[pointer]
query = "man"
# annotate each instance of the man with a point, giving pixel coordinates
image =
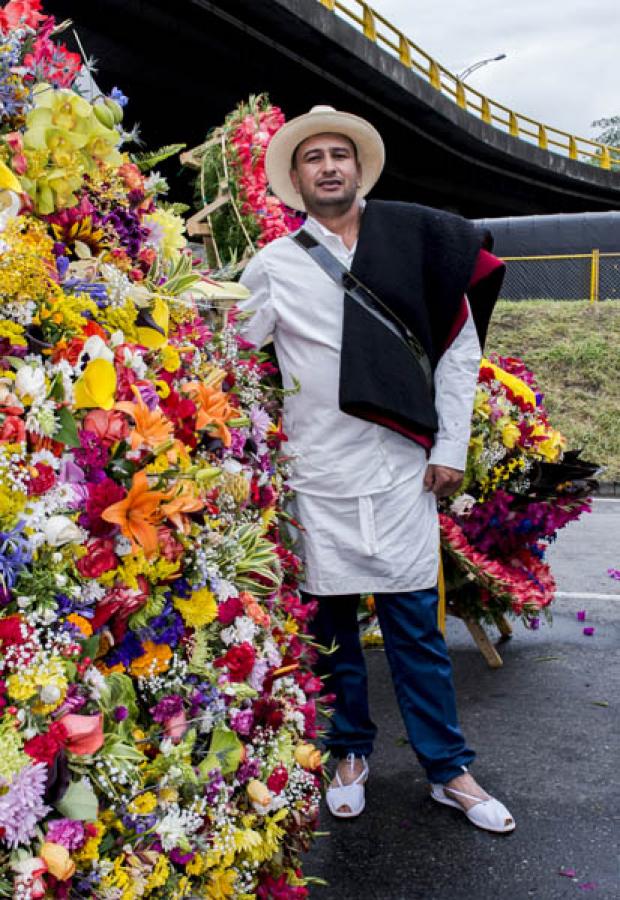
(366, 489)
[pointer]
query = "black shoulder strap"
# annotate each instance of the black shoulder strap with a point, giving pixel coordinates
(364, 297)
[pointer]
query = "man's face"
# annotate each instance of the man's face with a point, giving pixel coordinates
(326, 173)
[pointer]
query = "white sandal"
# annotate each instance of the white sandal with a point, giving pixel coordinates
(352, 795)
(488, 814)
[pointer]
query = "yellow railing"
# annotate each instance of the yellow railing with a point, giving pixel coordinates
(380, 31)
(595, 261)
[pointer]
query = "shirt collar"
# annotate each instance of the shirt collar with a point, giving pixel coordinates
(315, 227)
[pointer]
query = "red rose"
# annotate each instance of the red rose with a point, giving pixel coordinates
(42, 480)
(100, 558)
(45, 747)
(228, 611)
(278, 779)
(239, 661)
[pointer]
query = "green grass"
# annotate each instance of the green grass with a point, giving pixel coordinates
(573, 348)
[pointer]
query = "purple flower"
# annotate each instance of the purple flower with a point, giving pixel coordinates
(581, 615)
(167, 707)
(22, 806)
(589, 631)
(68, 832)
(242, 721)
(260, 423)
(120, 713)
(181, 859)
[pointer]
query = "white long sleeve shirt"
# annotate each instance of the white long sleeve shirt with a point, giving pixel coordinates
(335, 454)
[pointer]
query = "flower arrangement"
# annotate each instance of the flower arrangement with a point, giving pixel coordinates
(156, 700)
(520, 488)
(234, 154)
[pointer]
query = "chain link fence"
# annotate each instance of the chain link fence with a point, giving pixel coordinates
(581, 276)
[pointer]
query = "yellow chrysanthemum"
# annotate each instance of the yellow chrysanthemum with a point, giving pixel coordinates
(198, 610)
(13, 332)
(171, 232)
(159, 876)
(170, 358)
(143, 804)
(221, 884)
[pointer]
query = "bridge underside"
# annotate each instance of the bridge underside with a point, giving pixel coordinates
(185, 64)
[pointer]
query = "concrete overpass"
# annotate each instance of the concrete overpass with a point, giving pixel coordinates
(186, 63)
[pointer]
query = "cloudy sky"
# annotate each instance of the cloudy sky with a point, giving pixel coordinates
(562, 57)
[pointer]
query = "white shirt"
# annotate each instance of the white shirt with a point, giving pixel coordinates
(335, 454)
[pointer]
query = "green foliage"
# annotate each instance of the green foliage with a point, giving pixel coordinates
(147, 161)
(611, 130)
(573, 347)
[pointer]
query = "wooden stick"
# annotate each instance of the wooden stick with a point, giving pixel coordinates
(481, 639)
(504, 627)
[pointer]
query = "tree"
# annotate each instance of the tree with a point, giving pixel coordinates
(611, 133)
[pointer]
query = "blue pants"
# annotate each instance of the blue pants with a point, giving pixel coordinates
(421, 674)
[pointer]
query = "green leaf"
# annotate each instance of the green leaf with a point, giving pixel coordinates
(79, 802)
(146, 161)
(224, 752)
(67, 433)
(57, 391)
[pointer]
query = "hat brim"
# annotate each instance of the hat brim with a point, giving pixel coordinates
(279, 156)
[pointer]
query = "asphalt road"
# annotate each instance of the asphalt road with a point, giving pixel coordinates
(546, 730)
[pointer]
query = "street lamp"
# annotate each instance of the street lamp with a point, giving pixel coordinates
(478, 65)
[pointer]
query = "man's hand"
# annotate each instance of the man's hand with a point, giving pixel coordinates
(442, 480)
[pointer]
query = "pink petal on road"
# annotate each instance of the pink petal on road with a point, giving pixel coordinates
(568, 873)
(581, 615)
(589, 631)
(588, 886)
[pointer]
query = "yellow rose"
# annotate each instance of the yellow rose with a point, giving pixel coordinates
(57, 859)
(307, 756)
(259, 794)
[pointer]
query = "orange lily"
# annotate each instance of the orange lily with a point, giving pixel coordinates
(185, 501)
(151, 426)
(213, 409)
(138, 514)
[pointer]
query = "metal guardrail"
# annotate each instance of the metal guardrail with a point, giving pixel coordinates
(380, 31)
(578, 276)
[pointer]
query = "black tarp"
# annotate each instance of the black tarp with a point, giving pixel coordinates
(551, 235)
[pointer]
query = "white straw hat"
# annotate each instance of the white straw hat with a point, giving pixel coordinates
(322, 120)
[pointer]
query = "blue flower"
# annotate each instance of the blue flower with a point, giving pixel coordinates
(15, 555)
(117, 95)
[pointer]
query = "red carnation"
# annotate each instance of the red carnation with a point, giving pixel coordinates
(13, 632)
(239, 661)
(100, 496)
(100, 558)
(228, 611)
(45, 747)
(278, 779)
(42, 479)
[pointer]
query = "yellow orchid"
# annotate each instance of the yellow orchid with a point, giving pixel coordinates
(97, 386)
(63, 141)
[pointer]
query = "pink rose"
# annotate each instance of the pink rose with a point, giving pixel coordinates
(109, 426)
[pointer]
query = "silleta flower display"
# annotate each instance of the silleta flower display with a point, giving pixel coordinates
(156, 696)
